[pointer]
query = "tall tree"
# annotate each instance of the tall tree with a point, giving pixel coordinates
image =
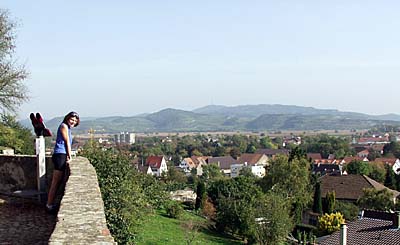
(317, 206)
(330, 202)
(201, 195)
(12, 91)
(290, 179)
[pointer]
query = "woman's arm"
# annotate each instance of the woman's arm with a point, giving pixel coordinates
(65, 136)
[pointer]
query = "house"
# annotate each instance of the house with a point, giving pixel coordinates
(347, 160)
(350, 187)
(314, 156)
(325, 161)
(194, 162)
(187, 164)
(271, 153)
(256, 162)
(224, 163)
(291, 140)
(253, 159)
(378, 148)
(156, 165)
(373, 140)
(372, 228)
(257, 170)
(327, 168)
(364, 153)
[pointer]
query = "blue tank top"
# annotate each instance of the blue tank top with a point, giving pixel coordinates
(60, 144)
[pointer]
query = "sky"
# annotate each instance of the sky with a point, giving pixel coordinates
(123, 58)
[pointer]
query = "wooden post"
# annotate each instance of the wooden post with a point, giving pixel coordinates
(41, 168)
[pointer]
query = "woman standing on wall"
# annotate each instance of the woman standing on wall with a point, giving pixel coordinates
(61, 156)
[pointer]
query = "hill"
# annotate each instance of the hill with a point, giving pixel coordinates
(224, 118)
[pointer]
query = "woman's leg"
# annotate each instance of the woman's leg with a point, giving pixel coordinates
(55, 183)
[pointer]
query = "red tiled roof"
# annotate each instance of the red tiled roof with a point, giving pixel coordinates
(154, 161)
(349, 159)
(325, 161)
(372, 139)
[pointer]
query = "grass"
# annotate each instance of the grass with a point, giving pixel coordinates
(160, 229)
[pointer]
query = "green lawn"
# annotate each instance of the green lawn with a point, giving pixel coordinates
(160, 229)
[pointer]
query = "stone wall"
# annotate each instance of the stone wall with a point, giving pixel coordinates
(81, 218)
(18, 172)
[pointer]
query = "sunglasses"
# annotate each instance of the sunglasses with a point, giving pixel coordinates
(74, 114)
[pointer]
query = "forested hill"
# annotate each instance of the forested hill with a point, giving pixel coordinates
(223, 118)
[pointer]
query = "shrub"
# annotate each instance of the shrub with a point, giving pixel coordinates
(174, 209)
(349, 210)
(123, 199)
(329, 223)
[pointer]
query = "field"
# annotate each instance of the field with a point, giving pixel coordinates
(160, 229)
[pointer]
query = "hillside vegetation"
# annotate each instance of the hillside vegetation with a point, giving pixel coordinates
(238, 118)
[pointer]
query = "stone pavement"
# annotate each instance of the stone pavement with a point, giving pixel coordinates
(24, 221)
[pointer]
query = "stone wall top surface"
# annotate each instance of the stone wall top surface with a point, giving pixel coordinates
(81, 218)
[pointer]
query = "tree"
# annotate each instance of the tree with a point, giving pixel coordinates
(174, 175)
(153, 190)
(246, 171)
(291, 179)
(359, 167)
(393, 148)
(273, 222)
(15, 136)
(390, 179)
(201, 195)
(236, 200)
(12, 91)
(376, 199)
(317, 206)
(330, 202)
(235, 152)
(211, 171)
(326, 145)
(266, 143)
(348, 209)
(377, 172)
